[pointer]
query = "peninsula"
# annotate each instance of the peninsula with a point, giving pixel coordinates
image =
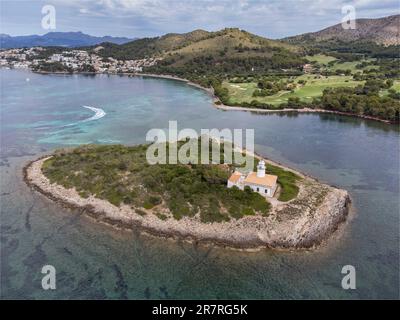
(115, 184)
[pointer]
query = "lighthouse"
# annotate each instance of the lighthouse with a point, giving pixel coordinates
(264, 184)
(261, 169)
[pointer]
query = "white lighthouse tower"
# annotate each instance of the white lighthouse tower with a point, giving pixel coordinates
(259, 181)
(261, 169)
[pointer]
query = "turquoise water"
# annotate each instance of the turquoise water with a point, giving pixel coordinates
(97, 261)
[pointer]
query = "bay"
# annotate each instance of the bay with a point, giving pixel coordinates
(42, 112)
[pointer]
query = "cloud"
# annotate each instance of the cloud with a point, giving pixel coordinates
(244, 9)
(271, 18)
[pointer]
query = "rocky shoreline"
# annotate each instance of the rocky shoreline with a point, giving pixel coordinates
(304, 222)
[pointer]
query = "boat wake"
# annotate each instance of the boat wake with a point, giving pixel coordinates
(98, 113)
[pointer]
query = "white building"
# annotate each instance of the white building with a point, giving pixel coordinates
(56, 57)
(264, 184)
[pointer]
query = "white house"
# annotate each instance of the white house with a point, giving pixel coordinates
(264, 184)
(56, 57)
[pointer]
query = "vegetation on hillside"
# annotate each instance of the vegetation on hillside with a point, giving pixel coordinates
(381, 31)
(229, 52)
(149, 47)
(353, 49)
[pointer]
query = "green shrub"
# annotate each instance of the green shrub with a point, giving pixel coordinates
(187, 190)
(161, 216)
(151, 201)
(247, 211)
(140, 212)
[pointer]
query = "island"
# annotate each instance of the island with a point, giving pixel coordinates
(114, 184)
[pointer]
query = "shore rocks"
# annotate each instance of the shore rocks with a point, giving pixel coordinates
(303, 222)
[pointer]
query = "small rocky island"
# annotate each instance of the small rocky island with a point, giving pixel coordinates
(115, 184)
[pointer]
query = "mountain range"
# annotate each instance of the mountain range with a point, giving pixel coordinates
(60, 39)
(382, 31)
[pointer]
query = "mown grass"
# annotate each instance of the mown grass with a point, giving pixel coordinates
(121, 175)
(330, 63)
(396, 87)
(314, 87)
(321, 59)
(287, 181)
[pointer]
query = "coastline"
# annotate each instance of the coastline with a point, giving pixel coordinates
(219, 105)
(303, 110)
(297, 224)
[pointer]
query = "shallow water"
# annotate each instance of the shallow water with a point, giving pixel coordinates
(97, 261)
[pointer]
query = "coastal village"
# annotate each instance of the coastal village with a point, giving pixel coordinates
(79, 61)
(71, 60)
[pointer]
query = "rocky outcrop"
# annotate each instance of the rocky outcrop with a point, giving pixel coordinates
(384, 31)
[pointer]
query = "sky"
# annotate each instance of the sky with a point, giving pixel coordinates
(149, 18)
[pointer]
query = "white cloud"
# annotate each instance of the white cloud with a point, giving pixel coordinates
(271, 18)
(193, 8)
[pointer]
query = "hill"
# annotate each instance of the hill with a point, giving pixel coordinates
(62, 39)
(148, 47)
(202, 54)
(382, 31)
(230, 52)
(197, 41)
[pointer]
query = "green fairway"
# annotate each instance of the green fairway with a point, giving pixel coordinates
(324, 60)
(395, 86)
(350, 65)
(321, 59)
(243, 92)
